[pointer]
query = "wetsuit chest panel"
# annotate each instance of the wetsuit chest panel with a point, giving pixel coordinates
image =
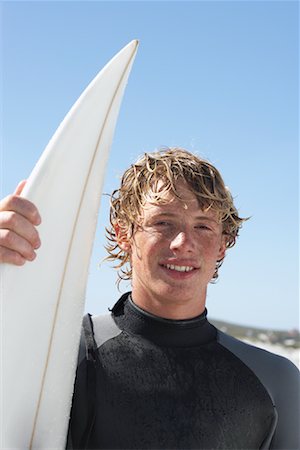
(155, 397)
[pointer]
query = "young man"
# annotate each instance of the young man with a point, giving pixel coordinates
(155, 374)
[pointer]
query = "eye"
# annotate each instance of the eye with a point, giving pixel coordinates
(162, 223)
(203, 227)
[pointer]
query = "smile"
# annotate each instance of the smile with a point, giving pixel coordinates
(179, 268)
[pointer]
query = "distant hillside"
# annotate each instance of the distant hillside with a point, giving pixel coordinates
(287, 339)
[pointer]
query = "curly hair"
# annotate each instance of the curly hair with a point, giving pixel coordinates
(139, 185)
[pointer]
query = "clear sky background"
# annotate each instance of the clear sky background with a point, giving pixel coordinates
(216, 77)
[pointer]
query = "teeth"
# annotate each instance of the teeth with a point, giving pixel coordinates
(179, 268)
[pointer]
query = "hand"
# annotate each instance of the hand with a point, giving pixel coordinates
(18, 236)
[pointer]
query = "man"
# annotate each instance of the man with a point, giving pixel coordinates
(155, 374)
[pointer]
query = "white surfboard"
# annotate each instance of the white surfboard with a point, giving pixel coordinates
(42, 303)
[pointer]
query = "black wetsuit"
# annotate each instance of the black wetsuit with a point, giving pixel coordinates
(154, 383)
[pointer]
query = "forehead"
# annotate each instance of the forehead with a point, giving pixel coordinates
(183, 191)
(185, 203)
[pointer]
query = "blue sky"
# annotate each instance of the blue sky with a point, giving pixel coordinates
(219, 78)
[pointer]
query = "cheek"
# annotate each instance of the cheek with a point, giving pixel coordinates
(211, 248)
(147, 251)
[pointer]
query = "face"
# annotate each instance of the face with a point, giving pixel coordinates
(174, 254)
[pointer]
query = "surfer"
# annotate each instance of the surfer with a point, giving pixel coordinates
(155, 374)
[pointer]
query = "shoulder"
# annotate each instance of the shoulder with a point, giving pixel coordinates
(281, 379)
(104, 328)
(96, 330)
(255, 356)
(274, 371)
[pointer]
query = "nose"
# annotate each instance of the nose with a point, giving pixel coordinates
(182, 241)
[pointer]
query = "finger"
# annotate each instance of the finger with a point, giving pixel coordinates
(10, 220)
(12, 241)
(20, 187)
(11, 257)
(21, 206)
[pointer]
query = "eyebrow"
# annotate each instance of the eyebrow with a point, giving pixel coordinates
(172, 214)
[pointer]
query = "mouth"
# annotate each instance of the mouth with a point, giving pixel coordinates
(179, 268)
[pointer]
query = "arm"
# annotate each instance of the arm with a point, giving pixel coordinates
(18, 235)
(287, 399)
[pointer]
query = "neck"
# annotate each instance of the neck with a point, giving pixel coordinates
(182, 309)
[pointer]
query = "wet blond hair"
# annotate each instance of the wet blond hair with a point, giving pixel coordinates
(139, 185)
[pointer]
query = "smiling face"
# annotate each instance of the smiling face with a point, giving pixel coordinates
(173, 255)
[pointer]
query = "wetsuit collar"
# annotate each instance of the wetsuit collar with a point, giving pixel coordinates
(165, 332)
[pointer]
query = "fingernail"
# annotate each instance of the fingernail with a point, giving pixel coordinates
(31, 257)
(37, 244)
(21, 261)
(38, 220)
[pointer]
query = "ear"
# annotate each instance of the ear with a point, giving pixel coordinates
(222, 249)
(122, 238)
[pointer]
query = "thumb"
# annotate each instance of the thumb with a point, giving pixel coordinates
(20, 187)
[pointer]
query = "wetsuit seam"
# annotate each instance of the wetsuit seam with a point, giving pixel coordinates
(249, 368)
(109, 339)
(247, 365)
(275, 412)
